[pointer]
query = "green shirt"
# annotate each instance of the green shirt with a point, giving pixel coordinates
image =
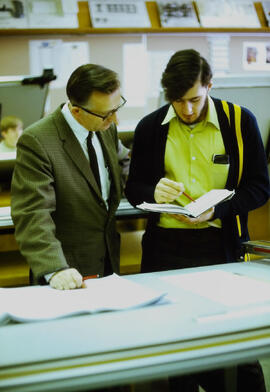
(188, 159)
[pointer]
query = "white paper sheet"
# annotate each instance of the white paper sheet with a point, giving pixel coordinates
(52, 13)
(135, 74)
(157, 62)
(118, 13)
(227, 288)
(62, 57)
(227, 13)
(37, 303)
(5, 213)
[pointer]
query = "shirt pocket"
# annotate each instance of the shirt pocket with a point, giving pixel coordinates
(220, 174)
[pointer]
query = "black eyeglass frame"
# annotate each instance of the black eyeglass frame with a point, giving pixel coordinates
(107, 115)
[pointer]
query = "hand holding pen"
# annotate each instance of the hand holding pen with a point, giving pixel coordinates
(69, 279)
(167, 191)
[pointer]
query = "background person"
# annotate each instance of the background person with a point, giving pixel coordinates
(11, 129)
(64, 216)
(190, 145)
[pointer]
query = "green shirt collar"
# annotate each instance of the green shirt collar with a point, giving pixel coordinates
(211, 115)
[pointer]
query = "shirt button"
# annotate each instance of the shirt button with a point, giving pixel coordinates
(193, 158)
(193, 180)
(191, 135)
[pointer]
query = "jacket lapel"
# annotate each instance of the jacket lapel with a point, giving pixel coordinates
(73, 149)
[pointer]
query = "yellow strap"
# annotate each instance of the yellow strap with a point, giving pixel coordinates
(237, 115)
(226, 110)
(238, 225)
(237, 119)
(247, 257)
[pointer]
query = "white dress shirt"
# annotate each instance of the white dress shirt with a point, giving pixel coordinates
(81, 134)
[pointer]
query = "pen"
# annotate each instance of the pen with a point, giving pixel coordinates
(189, 197)
(91, 277)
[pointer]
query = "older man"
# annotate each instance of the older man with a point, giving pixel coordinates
(67, 183)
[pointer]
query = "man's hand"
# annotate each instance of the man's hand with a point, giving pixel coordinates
(167, 190)
(206, 216)
(66, 279)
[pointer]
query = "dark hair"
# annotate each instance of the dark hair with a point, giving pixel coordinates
(184, 68)
(88, 78)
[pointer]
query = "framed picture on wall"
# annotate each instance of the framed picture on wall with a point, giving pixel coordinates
(256, 56)
(227, 13)
(177, 13)
(118, 13)
(13, 14)
(52, 14)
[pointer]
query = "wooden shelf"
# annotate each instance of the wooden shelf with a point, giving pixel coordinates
(151, 30)
(85, 26)
(93, 31)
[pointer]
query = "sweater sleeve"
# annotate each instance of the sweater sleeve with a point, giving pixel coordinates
(253, 189)
(141, 181)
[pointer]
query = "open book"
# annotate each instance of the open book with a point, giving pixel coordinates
(193, 209)
(37, 303)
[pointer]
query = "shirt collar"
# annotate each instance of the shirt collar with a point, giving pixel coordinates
(211, 115)
(80, 132)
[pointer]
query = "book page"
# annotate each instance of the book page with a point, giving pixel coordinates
(163, 208)
(36, 303)
(208, 200)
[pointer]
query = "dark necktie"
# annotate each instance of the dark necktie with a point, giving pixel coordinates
(93, 159)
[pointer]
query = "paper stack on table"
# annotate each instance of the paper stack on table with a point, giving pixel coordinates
(37, 303)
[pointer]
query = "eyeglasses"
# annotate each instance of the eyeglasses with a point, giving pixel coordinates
(106, 115)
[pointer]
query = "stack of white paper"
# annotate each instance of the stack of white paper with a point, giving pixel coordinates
(37, 303)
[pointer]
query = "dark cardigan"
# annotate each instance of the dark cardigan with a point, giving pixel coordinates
(147, 168)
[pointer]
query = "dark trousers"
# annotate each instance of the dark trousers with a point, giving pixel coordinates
(166, 249)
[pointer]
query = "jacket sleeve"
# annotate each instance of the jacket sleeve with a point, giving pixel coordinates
(253, 189)
(33, 204)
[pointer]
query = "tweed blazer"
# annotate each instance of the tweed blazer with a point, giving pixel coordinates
(59, 215)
